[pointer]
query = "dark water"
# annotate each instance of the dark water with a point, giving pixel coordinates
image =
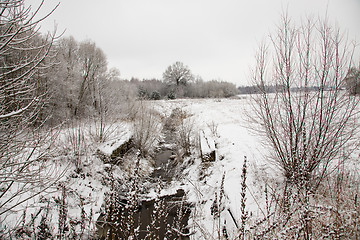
(165, 165)
(167, 216)
(171, 219)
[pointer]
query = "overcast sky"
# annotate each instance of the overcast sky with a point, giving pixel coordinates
(216, 39)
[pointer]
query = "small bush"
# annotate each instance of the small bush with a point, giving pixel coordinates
(146, 129)
(75, 143)
(155, 95)
(185, 132)
(183, 127)
(171, 95)
(101, 130)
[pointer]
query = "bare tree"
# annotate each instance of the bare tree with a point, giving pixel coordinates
(309, 122)
(177, 74)
(93, 66)
(65, 76)
(24, 54)
(78, 77)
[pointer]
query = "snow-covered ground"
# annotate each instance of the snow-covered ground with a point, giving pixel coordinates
(224, 120)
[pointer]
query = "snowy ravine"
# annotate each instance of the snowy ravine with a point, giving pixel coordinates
(83, 192)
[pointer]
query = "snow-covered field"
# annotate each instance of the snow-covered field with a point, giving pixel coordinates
(226, 120)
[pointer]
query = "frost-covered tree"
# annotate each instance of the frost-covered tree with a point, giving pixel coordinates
(93, 66)
(24, 55)
(177, 74)
(79, 78)
(62, 80)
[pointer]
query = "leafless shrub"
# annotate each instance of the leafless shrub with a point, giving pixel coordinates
(147, 127)
(308, 120)
(176, 117)
(75, 143)
(213, 128)
(182, 126)
(27, 174)
(330, 213)
(185, 135)
(24, 172)
(101, 130)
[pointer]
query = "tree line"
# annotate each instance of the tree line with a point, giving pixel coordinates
(79, 83)
(350, 83)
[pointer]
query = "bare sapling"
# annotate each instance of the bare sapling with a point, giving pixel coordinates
(75, 142)
(308, 120)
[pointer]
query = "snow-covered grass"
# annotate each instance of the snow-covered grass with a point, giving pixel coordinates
(71, 164)
(223, 120)
(85, 181)
(226, 121)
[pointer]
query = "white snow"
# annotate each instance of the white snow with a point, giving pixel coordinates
(121, 137)
(226, 120)
(222, 119)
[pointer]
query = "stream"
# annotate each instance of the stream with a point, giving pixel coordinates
(172, 222)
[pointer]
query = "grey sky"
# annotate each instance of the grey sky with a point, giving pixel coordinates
(217, 39)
